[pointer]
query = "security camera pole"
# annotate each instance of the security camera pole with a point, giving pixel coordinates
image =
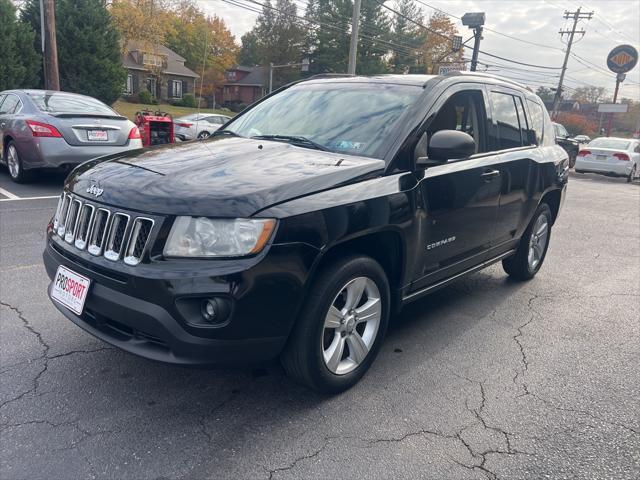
(474, 21)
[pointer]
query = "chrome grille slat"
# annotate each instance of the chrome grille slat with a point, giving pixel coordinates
(102, 231)
(84, 225)
(72, 220)
(98, 231)
(138, 239)
(116, 236)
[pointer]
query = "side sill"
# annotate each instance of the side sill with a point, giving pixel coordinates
(443, 283)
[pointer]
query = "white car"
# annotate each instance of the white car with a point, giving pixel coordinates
(198, 125)
(613, 156)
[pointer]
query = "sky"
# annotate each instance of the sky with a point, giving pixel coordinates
(614, 22)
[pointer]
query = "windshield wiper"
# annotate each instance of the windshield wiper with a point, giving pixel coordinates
(294, 140)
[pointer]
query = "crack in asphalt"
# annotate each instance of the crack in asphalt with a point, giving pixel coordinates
(45, 357)
(292, 465)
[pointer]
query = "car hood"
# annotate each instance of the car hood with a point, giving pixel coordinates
(220, 177)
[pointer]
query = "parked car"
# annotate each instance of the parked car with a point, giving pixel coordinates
(49, 129)
(619, 157)
(582, 138)
(308, 221)
(198, 125)
(570, 145)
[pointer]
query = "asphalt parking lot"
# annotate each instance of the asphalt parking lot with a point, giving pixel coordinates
(487, 378)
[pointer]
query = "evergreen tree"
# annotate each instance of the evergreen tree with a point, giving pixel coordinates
(375, 24)
(250, 52)
(328, 40)
(406, 33)
(89, 50)
(19, 61)
(89, 59)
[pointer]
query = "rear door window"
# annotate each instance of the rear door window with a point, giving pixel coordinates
(505, 121)
(10, 105)
(536, 116)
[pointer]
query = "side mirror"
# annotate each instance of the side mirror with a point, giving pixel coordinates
(447, 145)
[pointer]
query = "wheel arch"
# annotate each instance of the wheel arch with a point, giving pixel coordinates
(553, 198)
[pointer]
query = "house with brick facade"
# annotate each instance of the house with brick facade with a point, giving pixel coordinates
(244, 85)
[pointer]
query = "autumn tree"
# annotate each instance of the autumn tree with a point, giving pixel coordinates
(438, 44)
(408, 34)
(589, 94)
(145, 21)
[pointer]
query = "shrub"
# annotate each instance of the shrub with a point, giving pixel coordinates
(189, 101)
(145, 97)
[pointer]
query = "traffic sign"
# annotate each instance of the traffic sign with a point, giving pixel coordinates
(622, 59)
(613, 108)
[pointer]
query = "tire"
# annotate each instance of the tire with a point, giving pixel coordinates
(203, 135)
(14, 164)
(572, 159)
(632, 174)
(307, 357)
(528, 260)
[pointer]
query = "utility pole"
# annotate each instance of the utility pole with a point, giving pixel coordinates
(353, 48)
(577, 15)
(49, 45)
(474, 21)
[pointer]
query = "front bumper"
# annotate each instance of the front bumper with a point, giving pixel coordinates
(141, 314)
(619, 169)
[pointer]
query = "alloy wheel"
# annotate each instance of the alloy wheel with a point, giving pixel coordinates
(351, 325)
(203, 135)
(13, 162)
(538, 241)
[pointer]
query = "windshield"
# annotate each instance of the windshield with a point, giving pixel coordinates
(352, 118)
(57, 102)
(610, 143)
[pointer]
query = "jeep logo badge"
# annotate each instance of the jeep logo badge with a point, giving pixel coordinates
(95, 190)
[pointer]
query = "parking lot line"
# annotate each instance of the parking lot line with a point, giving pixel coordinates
(8, 194)
(14, 198)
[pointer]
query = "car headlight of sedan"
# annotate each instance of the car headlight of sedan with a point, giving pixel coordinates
(208, 237)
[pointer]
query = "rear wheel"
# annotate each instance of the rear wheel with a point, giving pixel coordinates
(532, 249)
(203, 135)
(572, 159)
(341, 328)
(14, 164)
(632, 174)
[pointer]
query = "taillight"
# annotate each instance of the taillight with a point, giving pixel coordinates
(185, 125)
(39, 129)
(584, 153)
(622, 156)
(134, 134)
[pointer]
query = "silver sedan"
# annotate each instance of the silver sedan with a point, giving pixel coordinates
(49, 129)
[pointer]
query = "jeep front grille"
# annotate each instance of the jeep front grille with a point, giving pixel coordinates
(102, 231)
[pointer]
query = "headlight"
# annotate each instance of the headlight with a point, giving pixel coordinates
(207, 237)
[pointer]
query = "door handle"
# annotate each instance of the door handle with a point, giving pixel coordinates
(488, 175)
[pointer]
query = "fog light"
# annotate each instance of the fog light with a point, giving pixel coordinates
(210, 310)
(215, 310)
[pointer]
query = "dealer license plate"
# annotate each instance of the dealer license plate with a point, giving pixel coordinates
(97, 135)
(70, 289)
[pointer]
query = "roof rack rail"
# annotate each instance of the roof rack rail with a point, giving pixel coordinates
(329, 75)
(487, 75)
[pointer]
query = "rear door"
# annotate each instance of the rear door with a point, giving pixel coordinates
(460, 197)
(513, 137)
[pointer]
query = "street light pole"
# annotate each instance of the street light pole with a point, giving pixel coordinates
(353, 48)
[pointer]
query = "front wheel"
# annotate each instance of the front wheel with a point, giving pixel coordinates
(341, 328)
(532, 248)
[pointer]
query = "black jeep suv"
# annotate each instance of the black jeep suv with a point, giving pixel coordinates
(307, 221)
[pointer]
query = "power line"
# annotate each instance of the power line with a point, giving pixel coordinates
(520, 63)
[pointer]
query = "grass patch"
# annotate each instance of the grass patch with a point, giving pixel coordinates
(129, 109)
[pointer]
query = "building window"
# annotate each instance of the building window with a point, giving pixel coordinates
(176, 88)
(152, 59)
(152, 86)
(128, 89)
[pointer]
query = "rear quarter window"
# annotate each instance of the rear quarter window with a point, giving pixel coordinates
(536, 117)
